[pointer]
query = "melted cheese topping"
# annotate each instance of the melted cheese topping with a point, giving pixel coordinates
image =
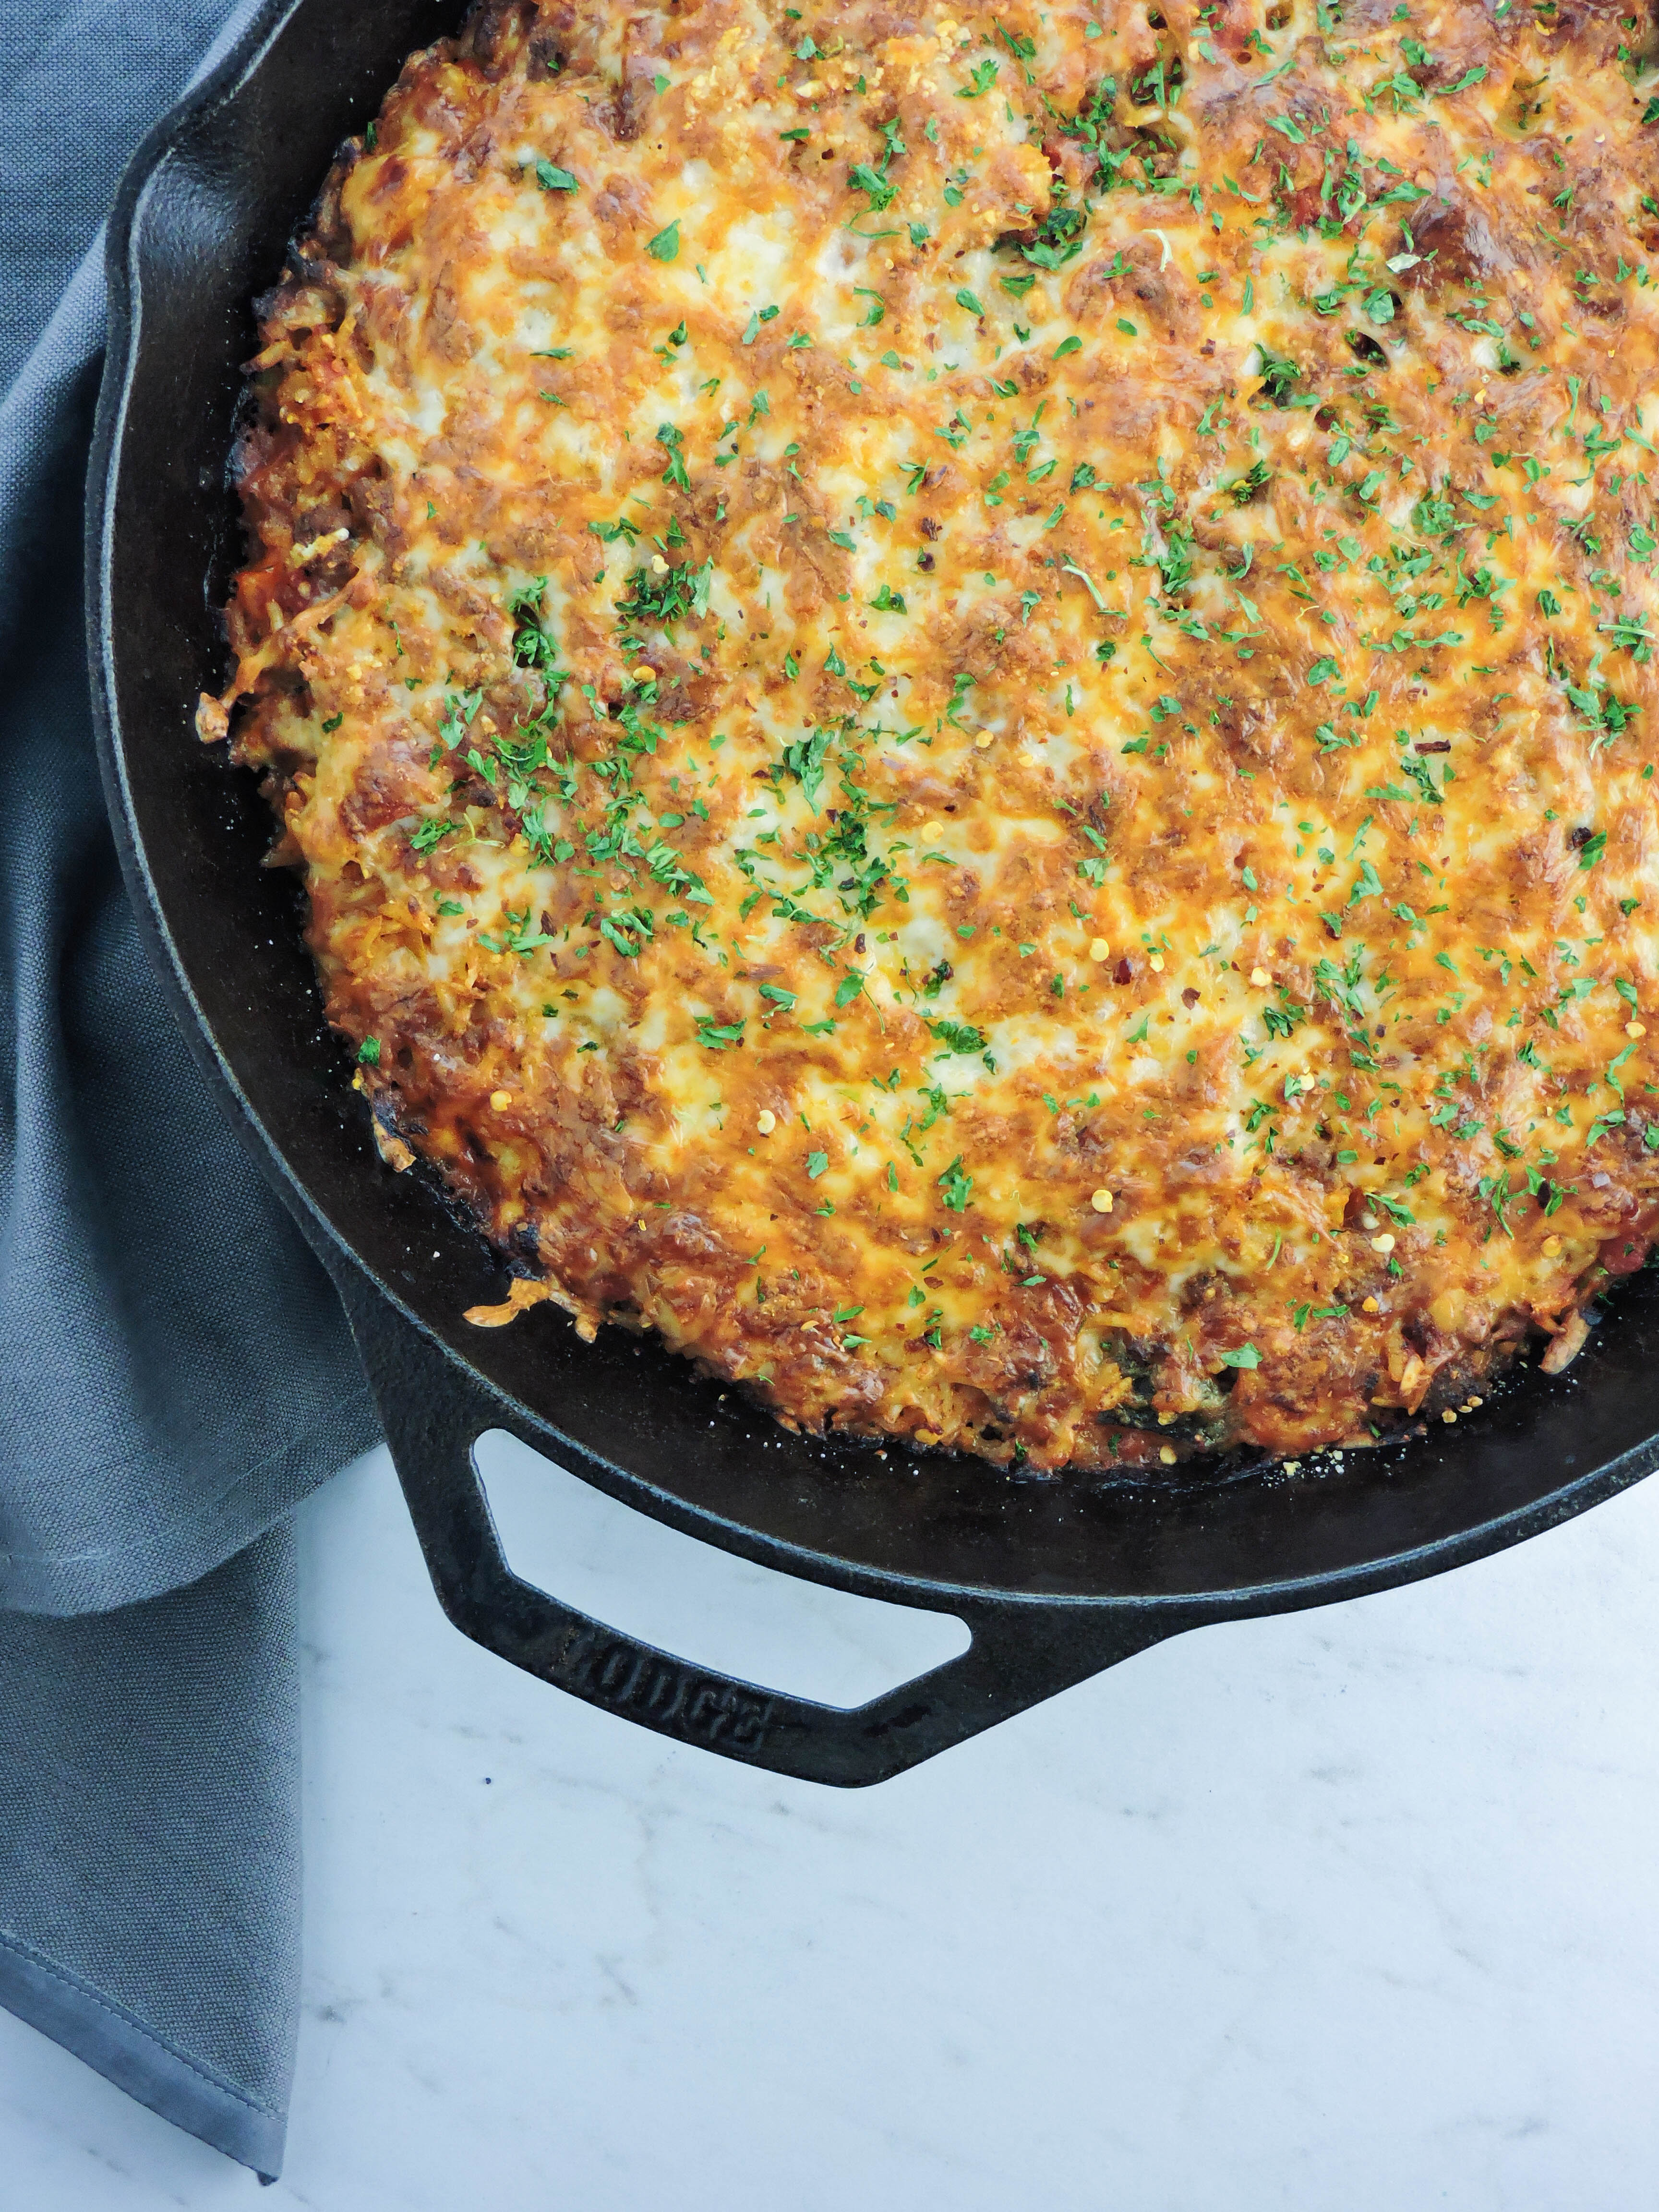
(967, 696)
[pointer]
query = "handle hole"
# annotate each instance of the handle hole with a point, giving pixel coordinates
(694, 1601)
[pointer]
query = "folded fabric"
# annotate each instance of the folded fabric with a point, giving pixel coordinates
(178, 1374)
(150, 1844)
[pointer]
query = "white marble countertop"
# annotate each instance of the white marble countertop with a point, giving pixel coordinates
(1353, 1908)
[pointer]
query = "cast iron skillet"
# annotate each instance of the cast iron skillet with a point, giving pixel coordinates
(1054, 1579)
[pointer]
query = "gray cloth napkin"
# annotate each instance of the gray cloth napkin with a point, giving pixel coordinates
(176, 1372)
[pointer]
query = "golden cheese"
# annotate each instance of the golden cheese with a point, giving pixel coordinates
(967, 696)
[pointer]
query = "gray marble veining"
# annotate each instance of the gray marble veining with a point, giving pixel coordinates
(1352, 1909)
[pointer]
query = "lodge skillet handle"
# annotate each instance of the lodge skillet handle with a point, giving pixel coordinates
(433, 1409)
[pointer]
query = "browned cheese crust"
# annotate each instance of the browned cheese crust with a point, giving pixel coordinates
(966, 697)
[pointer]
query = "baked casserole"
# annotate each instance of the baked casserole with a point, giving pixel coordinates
(967, 697)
